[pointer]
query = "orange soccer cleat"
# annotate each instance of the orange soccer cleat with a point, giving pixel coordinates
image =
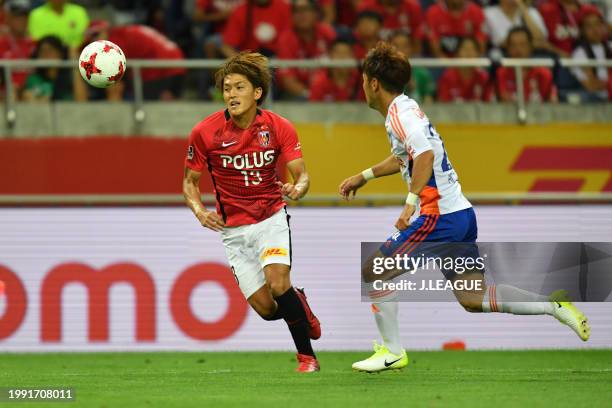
(314, 326)
(307, 364)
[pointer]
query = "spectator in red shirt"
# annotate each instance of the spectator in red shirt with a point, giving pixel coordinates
(367, 32)
(450, 20)
(15, 43)
(537, 81)
(399, 14)
(337, 84)
(143, 42)
(308, 38)
(561, 19)
(466, 83)
(255, 25)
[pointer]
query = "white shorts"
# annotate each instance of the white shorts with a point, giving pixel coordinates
(251, 247)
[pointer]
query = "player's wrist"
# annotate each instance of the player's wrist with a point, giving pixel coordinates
(368, 174)
(411, 199)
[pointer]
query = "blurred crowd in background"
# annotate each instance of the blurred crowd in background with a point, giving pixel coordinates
(308, 29)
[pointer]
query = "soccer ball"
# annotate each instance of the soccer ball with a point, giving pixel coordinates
(102, 64)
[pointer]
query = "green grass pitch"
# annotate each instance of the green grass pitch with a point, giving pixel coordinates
(559, 378)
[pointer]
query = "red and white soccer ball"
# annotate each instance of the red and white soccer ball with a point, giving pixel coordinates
(102, 64)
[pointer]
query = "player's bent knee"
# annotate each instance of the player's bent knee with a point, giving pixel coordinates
(279, 287)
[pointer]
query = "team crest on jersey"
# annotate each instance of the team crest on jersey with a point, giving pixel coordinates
(190, 153)
(264, 137)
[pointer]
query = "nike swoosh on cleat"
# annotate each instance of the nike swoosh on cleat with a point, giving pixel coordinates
(391, 363)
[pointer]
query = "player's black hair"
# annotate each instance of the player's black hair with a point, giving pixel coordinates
(389, 66)
(520, 29)
(252, 65)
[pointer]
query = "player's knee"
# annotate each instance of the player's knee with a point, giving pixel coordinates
(279, 287)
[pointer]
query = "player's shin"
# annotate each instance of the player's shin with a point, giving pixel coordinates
(290, 307)
(385, 309)
(509, 299)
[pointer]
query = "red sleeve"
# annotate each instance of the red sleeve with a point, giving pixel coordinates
(432, 18)
(444, 86)
(196, 151)
(317, 86)
(478, 20)
(291, 148)
(416, 19)
(234, 34)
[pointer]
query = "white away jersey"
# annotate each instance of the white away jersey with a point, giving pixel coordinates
(411, 134)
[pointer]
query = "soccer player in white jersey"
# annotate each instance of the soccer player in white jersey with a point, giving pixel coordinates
(443, 212)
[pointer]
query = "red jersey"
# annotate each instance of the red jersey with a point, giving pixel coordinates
(562, 25)
(408, 17)
(242, 163)
(290, 46)
(142, 42)
(538, 83)
(449, 28)
(261, 31)
(217, 6)
(324, 89)
(17, 48)
(452, 87)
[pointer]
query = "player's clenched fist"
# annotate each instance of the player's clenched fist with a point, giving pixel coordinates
(294, 192)
(211, 220)
(351, 185)
(404, 220)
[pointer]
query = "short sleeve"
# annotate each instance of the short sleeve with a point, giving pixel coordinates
(417, 142)
(412, 129)
(196, 151)
(291, 147)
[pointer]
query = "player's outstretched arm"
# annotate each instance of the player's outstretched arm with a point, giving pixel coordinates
(386, 167)
(301, 180)
(191, 192)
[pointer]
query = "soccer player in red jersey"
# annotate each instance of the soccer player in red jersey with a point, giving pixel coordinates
(240, 147)
(450, 20)
(538, 82)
